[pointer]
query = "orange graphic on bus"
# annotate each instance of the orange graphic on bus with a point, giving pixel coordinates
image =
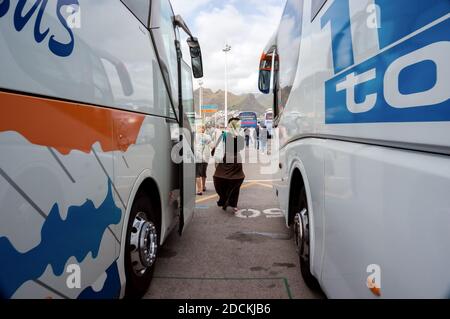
(67, 126)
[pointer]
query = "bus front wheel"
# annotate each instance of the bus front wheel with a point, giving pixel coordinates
(141, 246)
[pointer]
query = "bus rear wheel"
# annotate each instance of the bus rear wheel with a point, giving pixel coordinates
(141, 246)
(303, 240)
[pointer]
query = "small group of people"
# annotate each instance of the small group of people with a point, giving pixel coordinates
(225, 146)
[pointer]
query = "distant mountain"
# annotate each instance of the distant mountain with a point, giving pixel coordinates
(243, 102)
(265, 99)
(249, 103)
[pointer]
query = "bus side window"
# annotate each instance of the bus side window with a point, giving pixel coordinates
(188, 99)
(140, 8)
(288, 49)
(161, 97)
(163, 29)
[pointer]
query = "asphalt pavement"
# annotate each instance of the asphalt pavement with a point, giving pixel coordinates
(223, 255)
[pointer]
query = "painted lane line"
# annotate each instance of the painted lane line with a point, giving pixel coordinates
(248, 213)
(284, 279)
(206, 199)
(265, 185)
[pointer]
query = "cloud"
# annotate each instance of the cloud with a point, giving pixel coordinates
(187, 7)
(245, 25)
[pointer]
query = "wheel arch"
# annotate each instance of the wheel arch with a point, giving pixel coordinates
(299, 177)
(147, 183)
(295, 186)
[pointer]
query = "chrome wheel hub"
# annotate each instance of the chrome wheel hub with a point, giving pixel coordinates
(143, 244)
(301, 229)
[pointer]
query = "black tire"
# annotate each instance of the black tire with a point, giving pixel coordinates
(303, 248)
(137, 286)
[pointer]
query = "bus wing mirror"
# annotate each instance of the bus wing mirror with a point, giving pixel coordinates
(265, 73)
(196, 57)
(194, 48)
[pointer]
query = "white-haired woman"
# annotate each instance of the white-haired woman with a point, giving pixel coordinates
(229, 174)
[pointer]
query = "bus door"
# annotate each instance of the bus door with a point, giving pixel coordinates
(187, 137)
(187, 121)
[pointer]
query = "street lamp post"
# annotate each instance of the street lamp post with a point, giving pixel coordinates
(226, 50)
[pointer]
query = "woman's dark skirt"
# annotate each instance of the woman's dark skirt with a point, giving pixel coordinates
(200, 169)
(228, 191)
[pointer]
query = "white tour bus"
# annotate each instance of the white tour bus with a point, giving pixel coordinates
(93, 97)
(361, 99)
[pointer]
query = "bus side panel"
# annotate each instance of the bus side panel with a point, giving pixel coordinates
(388, 208)
(282, 186)
(370, 39)
(148, 154)
(344, 40)
(58, 199)
(108, 62)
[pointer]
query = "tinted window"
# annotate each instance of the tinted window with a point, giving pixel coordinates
(188, 96)
(140, 8)
(165, 37)
(113, 65)
(288, 47)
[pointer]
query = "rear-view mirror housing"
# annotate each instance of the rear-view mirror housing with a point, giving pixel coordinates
(196, 57)
(265, 73)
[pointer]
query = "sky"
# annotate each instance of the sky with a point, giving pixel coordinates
(246, 25)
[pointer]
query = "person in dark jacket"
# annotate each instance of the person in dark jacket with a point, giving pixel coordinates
(229, 175)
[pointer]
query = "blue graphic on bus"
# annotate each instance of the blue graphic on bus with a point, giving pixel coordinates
(338, 16)
(22, 18)
(406, 83)
(400, 18)
(397, 19)
(111, 287)
(77, 236)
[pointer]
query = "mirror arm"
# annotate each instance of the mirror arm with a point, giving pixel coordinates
(179, 22)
